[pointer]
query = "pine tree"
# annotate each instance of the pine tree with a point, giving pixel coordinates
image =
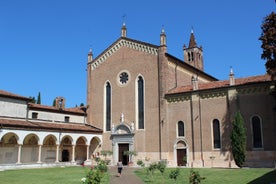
(238, 140)
(38, 98)
(54, 102)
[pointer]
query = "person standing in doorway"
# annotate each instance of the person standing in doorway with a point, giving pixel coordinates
(120, 168)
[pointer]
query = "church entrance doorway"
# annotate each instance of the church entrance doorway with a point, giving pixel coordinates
(181, 157)
(122, 157)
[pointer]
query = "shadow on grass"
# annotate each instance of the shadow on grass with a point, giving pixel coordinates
(268, 178)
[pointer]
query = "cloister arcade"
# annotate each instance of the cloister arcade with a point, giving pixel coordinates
(28, 147)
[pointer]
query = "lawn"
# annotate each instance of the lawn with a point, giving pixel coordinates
(214, 176)
(57, 175)
(73, 175)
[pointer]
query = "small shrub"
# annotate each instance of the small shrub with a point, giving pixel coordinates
(161, 166)
(94, 176)
(152, 167)
(140, 163)
(195, 178)
(101, 166)
(174, 174)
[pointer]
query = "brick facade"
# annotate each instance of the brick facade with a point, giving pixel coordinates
(170, 97)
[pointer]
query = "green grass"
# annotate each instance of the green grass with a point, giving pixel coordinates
(73, 175)
(57, 175)
(214, 176)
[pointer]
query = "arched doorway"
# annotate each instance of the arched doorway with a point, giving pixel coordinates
(181, 153)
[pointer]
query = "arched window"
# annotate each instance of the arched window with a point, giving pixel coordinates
(107, 107)
(216, 134)
(257, 132)
(140, 103)
(181, 129)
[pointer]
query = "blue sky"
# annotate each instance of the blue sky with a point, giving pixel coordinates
(44, 43)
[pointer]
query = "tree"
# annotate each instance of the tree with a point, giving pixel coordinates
(38, 98)
(268, 38)
(238, 140)
(54, 102)
(32, 99)
(131, 154)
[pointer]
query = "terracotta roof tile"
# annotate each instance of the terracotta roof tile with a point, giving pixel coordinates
(220, 84)
(12, 95)
(50, 126)
(75, 110)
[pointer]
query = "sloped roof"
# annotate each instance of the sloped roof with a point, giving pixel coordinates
(190, 67)
(48, 126)
(220, 84)
(75, 110)
(12, 95)
(123, 42)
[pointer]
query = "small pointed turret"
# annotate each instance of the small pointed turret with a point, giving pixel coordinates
(90, 56)
(231, 77)
(124, 30)
(163, 39)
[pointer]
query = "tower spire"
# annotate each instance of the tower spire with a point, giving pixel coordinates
(192, 42)
(193, 55)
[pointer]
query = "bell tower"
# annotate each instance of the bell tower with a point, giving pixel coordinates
(193, 55)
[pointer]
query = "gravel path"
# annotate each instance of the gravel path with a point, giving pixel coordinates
(128, 176)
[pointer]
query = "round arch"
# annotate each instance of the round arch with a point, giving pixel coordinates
(95, 147)
(181, 153)
(8, 148)
(66, 148)
(30, 148)
(81, 147)
(49, 147)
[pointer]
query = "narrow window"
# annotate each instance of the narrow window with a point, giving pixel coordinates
(181, 129)
(140, 103)
(189, 56)
(216, 134)
(66, 119)
(257, 132)
(108, 107)
(34, 115)
(192, 56)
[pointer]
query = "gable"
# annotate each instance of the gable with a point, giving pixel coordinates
(123, 42)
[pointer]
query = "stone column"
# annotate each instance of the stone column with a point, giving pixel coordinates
(73, 153)
(87, 152)
(57, 153)
(39, 153)
(115, 152)
(19, 154)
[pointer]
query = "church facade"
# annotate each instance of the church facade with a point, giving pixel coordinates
(163, 108)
